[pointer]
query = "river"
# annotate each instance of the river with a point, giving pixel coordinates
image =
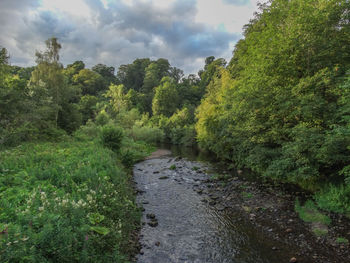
(180, 225)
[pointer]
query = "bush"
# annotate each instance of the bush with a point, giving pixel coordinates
(88, 131)
(102, 118)
(127, 158)
(147, 134)
(112, 137)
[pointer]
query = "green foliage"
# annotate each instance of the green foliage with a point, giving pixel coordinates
(127, 119)
(87, 106)
(179, 128)
(66, 202)
(118, 99)
(111, 137)
(102, 118)
(172, 167)
(147, 134)
(106, 72)
(309, 213)
(334, 198)
(90, 82)
(166, 98)
(127, 158)
(281, 107)
(88, 131)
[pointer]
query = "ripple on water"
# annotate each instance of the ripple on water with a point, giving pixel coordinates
(188, 229)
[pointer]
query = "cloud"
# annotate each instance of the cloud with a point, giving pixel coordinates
(113, 32)
(236, 2)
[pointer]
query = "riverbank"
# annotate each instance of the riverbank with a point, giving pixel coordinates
(272, 212)
(68, 201)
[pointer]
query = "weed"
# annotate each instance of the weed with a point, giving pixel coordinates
(172, 167)
(310, 213)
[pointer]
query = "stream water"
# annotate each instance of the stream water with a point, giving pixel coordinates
(180, 226)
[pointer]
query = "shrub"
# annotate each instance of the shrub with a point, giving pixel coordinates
(112, 137)
(88, 131)
(102, 118)
(147, 134)
(127, 158)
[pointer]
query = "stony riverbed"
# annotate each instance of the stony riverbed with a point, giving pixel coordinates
(190, 216)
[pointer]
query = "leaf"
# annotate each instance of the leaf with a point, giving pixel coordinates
(100, 230)
(96, 218)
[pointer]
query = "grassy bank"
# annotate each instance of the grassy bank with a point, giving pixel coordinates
(67, 202)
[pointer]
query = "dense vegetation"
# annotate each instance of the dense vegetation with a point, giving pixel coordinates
(280, 107)
(66, 202)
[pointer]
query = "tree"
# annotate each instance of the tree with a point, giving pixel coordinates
(106, 72)
(87, 106)
(276, 107)
(118, 98)
(90, 82)
(132, 75)
(166, 98)
(154, 74)
(47, 83)
(73, 69)
(176, 73)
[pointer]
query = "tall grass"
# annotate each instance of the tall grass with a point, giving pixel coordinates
(66, 202)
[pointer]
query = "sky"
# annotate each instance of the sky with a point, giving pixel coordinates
(116, 32)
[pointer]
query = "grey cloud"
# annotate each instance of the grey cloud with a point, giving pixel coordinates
(118, 34)
(236, 2)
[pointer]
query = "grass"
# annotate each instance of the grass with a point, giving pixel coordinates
(172, 167)
(342, 240)
(67, 202)
(247, 195)
(320, 232)
(220, 177)
(309, 213)
(334, 198)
